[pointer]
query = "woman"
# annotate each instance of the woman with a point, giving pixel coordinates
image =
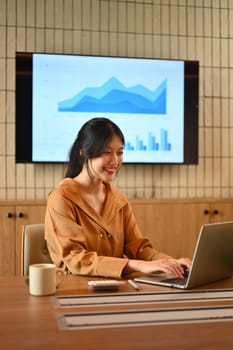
(90, 227)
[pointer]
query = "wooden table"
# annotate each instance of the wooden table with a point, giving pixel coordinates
(28, 322)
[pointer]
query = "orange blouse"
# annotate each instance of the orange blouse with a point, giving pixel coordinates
(87, 243)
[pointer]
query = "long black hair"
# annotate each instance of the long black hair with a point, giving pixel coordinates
(91, 141)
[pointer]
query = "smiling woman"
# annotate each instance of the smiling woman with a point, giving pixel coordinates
(90, 227)
(106, 165)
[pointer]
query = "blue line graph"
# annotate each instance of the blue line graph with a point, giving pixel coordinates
(114, 97)
(152, 144)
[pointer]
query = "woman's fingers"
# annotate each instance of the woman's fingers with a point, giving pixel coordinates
(171, 267)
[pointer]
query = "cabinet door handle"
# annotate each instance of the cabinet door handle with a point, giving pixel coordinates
(206, 212)
(9, 215)
(20, 215)
(215, 212)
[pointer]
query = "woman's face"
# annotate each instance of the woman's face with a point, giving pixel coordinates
(105, 166)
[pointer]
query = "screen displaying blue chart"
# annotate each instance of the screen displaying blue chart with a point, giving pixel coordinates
(151, 144)
(144, 97)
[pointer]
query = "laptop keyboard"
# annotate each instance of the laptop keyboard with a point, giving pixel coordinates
(175, 280)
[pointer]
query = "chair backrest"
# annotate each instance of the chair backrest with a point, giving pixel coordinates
(33, 247)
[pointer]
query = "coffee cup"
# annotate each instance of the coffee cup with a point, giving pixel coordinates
(44, 279)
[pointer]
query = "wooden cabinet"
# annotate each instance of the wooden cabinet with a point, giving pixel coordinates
(12, 215)
(173, 225)
(7, 240)
(221, 210)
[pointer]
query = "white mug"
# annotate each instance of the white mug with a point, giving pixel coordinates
(44, 279)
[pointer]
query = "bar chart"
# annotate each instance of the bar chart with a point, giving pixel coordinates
(150, 143)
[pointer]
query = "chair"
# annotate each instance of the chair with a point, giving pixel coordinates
(33, 247)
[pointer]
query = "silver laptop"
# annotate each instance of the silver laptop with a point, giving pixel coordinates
(212, 259)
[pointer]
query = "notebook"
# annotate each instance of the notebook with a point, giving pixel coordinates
(212, 259)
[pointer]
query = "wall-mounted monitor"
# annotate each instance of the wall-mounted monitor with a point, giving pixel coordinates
(153, 101)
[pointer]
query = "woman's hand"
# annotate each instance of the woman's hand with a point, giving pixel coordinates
(169, 266)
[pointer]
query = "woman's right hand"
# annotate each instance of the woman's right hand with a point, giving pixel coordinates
(170, 266)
